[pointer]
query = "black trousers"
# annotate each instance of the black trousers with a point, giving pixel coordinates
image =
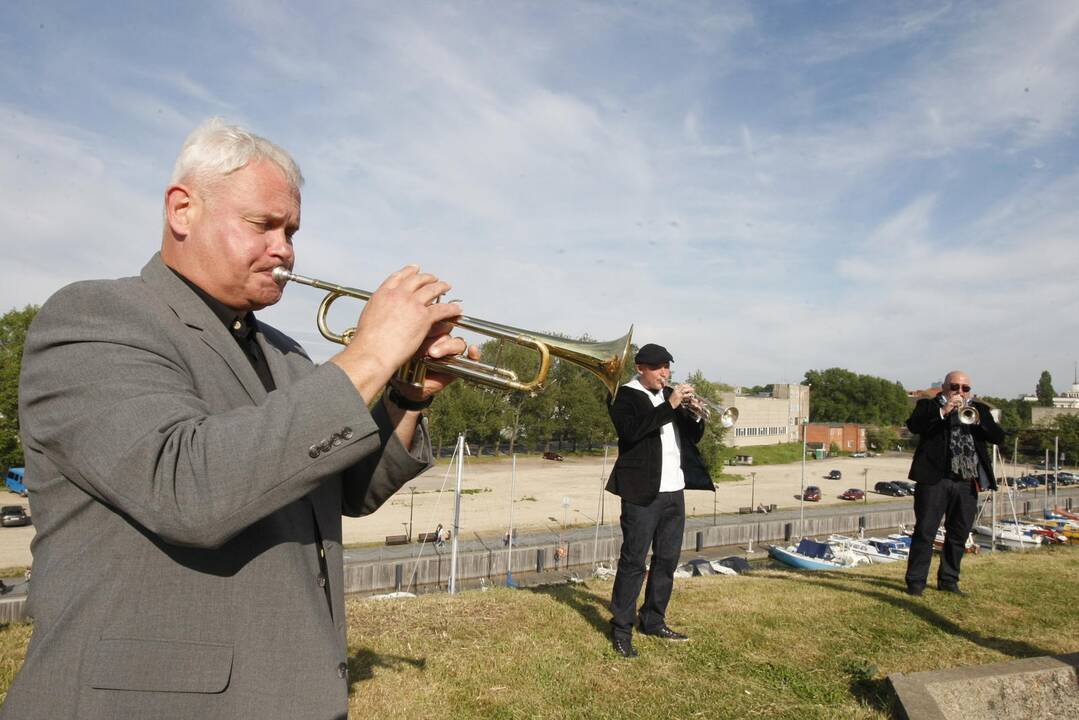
(660, 526)
(957, 502)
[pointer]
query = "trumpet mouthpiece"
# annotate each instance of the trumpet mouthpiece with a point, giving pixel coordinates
(281, 275)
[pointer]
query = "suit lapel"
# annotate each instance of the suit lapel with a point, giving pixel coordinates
(194, 313)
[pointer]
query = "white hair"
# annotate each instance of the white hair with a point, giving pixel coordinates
(216, 149)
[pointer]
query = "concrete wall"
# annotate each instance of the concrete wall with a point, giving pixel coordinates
(433, 571)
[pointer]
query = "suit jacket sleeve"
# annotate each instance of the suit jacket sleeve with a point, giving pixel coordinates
(107, 395)
(690, 428)
(372, 481)
(987, 428)
(925, 417)
(633, 421)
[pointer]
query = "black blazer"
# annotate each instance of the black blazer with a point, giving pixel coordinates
(636, 473)
(932, 460)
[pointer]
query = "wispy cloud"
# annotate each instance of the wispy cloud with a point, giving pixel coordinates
(767, 189)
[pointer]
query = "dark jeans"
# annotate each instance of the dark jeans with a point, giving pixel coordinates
(659, 526)
(957, 502)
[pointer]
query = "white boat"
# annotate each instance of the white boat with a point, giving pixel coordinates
(874, 553)
(938, 540)
(1008, 535)
(812, 555)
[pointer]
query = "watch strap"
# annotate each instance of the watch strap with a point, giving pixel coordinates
(404, 403)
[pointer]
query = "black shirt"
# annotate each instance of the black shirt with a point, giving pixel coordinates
(242, 327)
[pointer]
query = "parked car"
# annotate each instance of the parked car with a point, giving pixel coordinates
(857, 454)
(1067, 478)
(812, 494)
(852, 494)
(835, 475)
(888, 488)
(905, 485)
(13, 516)
(552, 456)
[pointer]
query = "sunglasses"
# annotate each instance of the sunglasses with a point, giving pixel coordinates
(956, 386)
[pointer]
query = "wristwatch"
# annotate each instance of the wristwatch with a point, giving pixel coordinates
(404, 403)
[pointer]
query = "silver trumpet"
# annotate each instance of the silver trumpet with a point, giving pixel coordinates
(968, 414)
(965, 414)
(703, 409)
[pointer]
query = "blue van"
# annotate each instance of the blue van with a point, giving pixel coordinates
(15, 481)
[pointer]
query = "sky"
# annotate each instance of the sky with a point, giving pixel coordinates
(765, 188)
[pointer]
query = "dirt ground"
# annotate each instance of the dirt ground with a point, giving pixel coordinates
(547, 494)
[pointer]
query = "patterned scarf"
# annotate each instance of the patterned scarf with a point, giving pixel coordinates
(964, 459)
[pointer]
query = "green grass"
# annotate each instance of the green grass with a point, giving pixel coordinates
(773, 644)
(767, 454)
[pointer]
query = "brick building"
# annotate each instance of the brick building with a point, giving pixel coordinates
(848, 437)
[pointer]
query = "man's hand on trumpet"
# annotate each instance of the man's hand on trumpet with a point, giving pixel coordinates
(681, 393)
(402, 320)
(438, 344)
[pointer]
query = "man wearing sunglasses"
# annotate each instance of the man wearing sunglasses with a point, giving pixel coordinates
(951, 465)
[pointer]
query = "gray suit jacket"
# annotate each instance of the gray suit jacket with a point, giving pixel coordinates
(179, 509)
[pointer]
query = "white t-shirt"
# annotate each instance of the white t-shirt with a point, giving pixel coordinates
(670, 477)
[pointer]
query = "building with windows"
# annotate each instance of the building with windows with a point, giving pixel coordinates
(768, 419)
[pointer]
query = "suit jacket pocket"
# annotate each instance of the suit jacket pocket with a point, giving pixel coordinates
(161, 666)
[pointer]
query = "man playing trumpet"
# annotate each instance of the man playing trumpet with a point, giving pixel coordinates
(951, 465)
(657, 460)
(188, 465)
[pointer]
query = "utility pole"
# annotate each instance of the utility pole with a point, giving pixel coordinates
(753, 507)
(411, 506)
(457, 512)
(801, 495)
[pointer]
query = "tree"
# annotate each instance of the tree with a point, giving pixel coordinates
(13, 327)
(1014, 414)
(843, 396)
(1045, 391)
(712, 443)
(1035, 440)
(881, 439)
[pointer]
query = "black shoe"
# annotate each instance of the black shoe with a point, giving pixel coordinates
(951, 588)
(623, 647)
(666, 633)
(915, 590)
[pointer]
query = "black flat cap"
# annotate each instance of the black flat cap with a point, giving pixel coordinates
(652, 354)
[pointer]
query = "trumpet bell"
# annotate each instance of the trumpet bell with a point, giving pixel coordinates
(703, 409)
(968, 415)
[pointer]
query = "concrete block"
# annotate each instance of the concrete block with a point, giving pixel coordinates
(1030, 688)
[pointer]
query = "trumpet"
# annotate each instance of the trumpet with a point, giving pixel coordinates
(965, 414)
(703, 409)
(968, 414)
(605, 360)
